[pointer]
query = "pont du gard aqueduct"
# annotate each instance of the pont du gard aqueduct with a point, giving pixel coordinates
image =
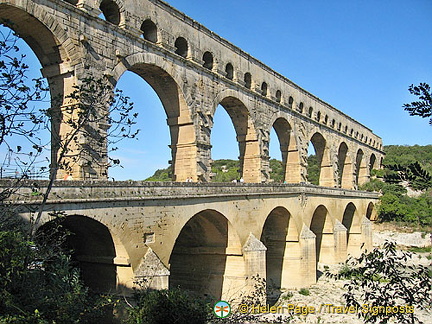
(207, 237)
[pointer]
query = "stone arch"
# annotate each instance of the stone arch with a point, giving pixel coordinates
(208, 60)
(247, 137)
(281, 237)
(344, 167)
(361, 169)
(111, 11)
(182, 47)
(207, 257)
(248, 80)
(372, 163)
(352, 223)
(264, 88)
(278, 96)
(149, 31)
(310, 112)
(290, 102)
(325, 167)
(168, 87)
(322, 226)
(93, 249)
(229, 71)
(53, 48)
(289, 151)
(371, 212)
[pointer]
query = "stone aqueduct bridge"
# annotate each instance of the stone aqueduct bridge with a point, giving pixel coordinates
(205, 237)
(193, 71)
(202, 236)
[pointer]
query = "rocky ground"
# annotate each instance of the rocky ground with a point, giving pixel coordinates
(328, 292)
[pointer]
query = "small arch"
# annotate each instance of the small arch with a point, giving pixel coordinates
(310, 112)
(290, 102)
(229, 71)
(372, 162)
(326, 119)
(149, 31)
(351, 222)
(332, 124)
(264, 89)
(345, 129)
(318, 116)
(248, 80)
(110, 11)
(339, 126)
(181, 46)
(278, 96)
(300, 108)
(371, 213)
(208, 60)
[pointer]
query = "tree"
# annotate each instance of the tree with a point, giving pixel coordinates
(384, 285)
(423, 107)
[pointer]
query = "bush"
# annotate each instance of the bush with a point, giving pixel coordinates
(384, 281)
(169, 306)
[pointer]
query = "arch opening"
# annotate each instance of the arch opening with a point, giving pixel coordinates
(278, 96)
(181, 46)
(351, 222)
(92, 247)
(208, 60)
(248, 80)
(280, 236)
(229, 71)
(110, 11)
(319, 168)
(149, 31)
(322, 227)
(285, 167)
(175, 108)
(204, 255)
(248, 146)
(343, 167)
(264, 87)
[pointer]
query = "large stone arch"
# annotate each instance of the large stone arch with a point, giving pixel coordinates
(322, 226)
(345, 172)
(289, 149)
(283, 258)
(207, 256)
(247, 136)
(326, 177)
(54, 49)
(361, 168)
(167, 83)
(352, 222)
(94, 250)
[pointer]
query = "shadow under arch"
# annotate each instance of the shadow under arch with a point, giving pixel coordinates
(289, 151)
(351, 221)
(93, 249)
(247, 138)
(182, 131)
(322, 226)
(371, 212)
(207, 257)
(280, 236)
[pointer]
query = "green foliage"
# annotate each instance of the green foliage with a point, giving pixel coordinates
(38, 285)
(169, 306)
(225, 170)
(405, 155)
(161, 175)
(304, 292)
(384, 280)
(313, 169)
(422, 107)
(277, 171)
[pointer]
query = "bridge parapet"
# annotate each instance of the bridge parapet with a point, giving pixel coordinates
(63, 191)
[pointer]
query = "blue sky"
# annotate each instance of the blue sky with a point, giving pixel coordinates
(359, 56)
